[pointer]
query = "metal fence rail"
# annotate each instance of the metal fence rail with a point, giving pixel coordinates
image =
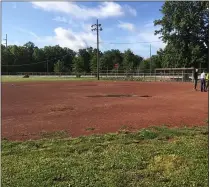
(181, 77)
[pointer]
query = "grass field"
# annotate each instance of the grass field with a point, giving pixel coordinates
(153, 157)
(41, 78)
(63, 78)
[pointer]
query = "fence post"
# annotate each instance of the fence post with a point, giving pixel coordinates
(173, 76)
(155, 75)
(182, 76)
(164, 75)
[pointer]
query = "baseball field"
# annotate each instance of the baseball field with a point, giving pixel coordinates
(32, 108)
(140, 133)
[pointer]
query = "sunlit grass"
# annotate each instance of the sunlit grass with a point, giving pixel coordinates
(153, 157)
(38, 78)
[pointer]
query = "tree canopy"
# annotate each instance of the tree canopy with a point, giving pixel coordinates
(30, 58)
(185, 28)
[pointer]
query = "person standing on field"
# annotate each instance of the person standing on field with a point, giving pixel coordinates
(203, 82)
(195, 79)
(207, 81)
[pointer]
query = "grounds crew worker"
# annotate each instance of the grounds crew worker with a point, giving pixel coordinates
(195, 78)
(207, 81)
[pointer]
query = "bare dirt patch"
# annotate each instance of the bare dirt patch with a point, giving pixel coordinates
(61, 108)
(32, 108)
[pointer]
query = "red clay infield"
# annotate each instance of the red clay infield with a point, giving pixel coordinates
(28, 109)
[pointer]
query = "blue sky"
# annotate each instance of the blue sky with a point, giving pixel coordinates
(68, 24)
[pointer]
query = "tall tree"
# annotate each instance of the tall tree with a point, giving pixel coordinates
(184, 26)
(145, 65)
(93, 64)
(83, 53)
(110, 58)
(59, 66)
(68, 59)
(128, 61)
(39, 56)
(30, 46)
(78, 65)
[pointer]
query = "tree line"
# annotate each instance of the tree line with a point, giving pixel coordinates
(30, 58)
(184, 27)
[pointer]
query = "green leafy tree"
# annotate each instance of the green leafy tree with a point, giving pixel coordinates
(68, 59)
(83, 53)
(184, 26)
(93, 64)
(128, 61)
(7, 59)
(39, 56)
(110, 58)
(78, 65)
(145, 65)
(59, 66)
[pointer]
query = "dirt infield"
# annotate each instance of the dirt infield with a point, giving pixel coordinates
(81, 108)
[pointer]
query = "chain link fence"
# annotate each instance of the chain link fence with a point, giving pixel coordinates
(172, 74)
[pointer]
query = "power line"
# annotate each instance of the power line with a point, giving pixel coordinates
(128, 42)
(16, 65)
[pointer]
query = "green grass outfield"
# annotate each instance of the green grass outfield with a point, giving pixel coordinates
(42, 78)
(63, 78)
(153, 157)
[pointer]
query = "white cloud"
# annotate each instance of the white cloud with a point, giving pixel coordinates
(126, 26)
(104, 10)
(60, 19)
(78, 40)
(27, 32)
(147, 35)
(68, 21)
(139, 41)
(69, 38)
(83, 38)
(131, 10)
(86, 26)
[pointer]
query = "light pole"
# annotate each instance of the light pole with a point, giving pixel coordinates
(96, 27)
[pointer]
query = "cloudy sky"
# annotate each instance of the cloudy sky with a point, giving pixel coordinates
(68, 24)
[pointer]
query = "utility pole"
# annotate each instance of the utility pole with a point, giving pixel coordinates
(6, 41)
(150, 62)
(7, 61)
(96, 27)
